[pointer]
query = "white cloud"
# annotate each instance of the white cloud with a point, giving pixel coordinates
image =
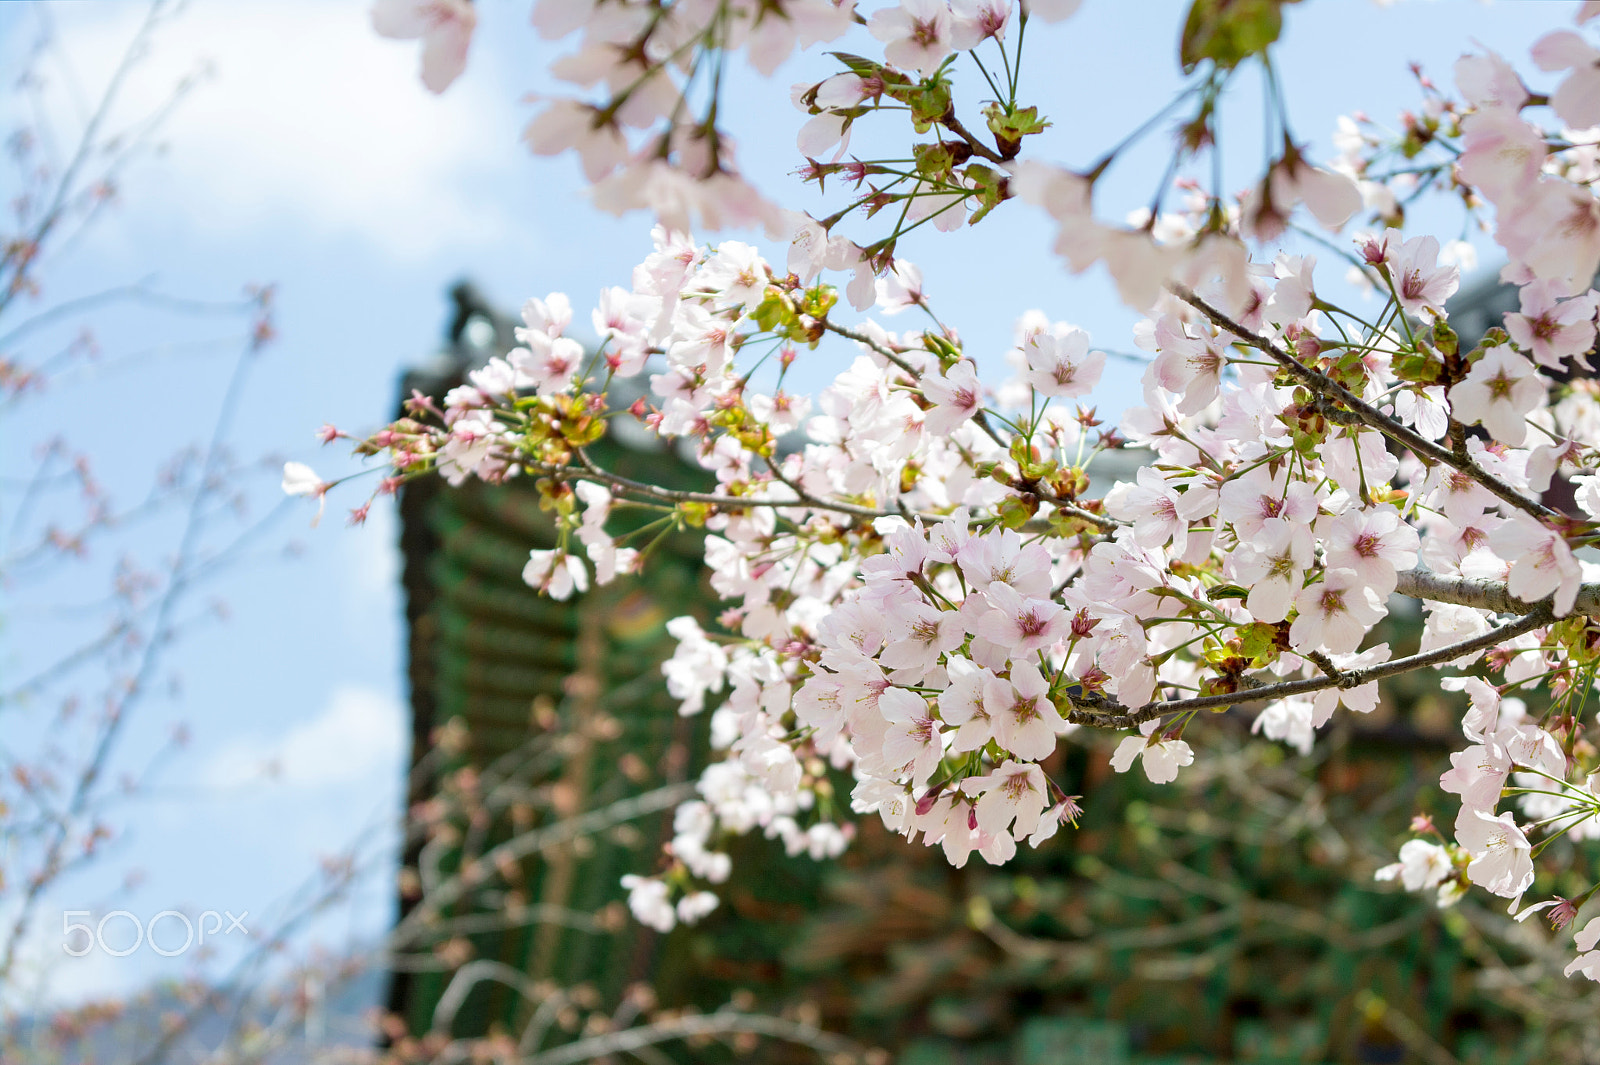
(358, 737)
(310, 118)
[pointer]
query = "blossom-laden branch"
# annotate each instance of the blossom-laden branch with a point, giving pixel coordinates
(1324, 385)
(986, 599)
(1104, 713)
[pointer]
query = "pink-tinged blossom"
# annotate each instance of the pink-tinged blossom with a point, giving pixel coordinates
(812, 250)
(1022, 624)
(1501, 154)
(470, 447)
(919, 636)
(1362, 699)
(1063, 365)
(822, 132)
(1162, 758)
(1272, 565)
(1188, 367)
(1024, 719)
(1577, 98)
(1488, 82)
(1294, 293)
(301, 480)
(1010, 798)
(906, 552)
(1424, 409)
(1422, 865)
(1550, 329)
(1002, 556)
(445, 27)
(576, 126)
(961, 705)
(912, 739)
(1448, 623)
(1158, 512)
(1335, 614)
(610, 561)
(1499, 393)
(555, 573)
(1358, 461)
(549, 365)
(1553, 230)
(956, 397)
(975, 21)
(1376, 543)
(1422, 284)
(916, 34)
(1331, 197)
(1477, 774)
(1541, 562)
(1287, 721)
(1249, 500)
(1501, 862)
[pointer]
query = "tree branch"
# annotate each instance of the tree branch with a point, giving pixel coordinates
(1322, 384)
(1484, 594)
(1098, 711)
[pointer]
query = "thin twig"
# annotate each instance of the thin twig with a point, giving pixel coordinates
(1324, 385)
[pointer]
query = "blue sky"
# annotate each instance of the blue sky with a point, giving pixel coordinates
(312, 158)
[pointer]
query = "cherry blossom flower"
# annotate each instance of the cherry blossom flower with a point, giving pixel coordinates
(913, 737)
(1376, 543)
(1159, 514)
(1499, 392)
(921, 635)
(1063, 365)
(1024, 720)
(650, 902)
(1588, 959)
(1335, 614)
(1010, 798)
(1162, 758)
(555, 573)
(916, 34)
(1500, 859)
(1272, 565)
(1553, 231)
(956, 397)
(301, 480)
(1188, 367)
(961, 704)
(1422, 284)
(1501, 154)
(1544, 564)
(1577, 98)
(1550, 329)
(1477, 774)
(1422, 865)
(1331, 197)
(975, 21)
(445, 27)
(1489, 83)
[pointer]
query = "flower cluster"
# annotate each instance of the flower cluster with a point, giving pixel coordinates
(929, 588)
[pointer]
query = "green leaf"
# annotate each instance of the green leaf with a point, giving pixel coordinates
(1228, 31)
